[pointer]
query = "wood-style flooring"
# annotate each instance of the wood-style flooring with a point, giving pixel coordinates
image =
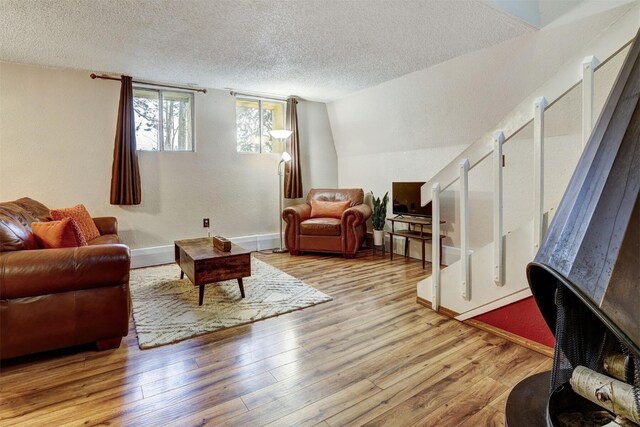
(372, 356)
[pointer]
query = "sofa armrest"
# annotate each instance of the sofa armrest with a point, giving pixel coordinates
(106, 225)
(356, 215)
(49, 271)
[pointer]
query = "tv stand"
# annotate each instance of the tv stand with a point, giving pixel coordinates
(419, 229)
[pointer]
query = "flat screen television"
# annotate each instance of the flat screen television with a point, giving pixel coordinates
(406, 199)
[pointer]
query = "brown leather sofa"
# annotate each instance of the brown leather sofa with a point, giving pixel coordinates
(344, 235)
(54, 298)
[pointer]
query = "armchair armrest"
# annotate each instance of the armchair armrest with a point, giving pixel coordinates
(49, 271)
(297, 213)
(293, 216)
(356, 215)
(106, 225)
(354, 226)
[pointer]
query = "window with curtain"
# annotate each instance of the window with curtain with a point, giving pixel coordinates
(164, 119)
(254, 119)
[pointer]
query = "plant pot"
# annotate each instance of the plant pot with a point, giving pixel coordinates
(378, 237)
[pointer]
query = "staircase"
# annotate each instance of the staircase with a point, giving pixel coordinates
(490, 272)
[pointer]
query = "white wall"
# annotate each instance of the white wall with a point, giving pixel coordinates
(319, 159)
(407, 129)
(57, 131)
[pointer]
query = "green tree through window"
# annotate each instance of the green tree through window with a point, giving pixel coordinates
(175, 121)
(254, 119)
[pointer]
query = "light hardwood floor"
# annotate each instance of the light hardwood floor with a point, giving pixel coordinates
(371, 356)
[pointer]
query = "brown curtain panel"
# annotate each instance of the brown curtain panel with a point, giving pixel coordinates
(292, 171)
(125, 173)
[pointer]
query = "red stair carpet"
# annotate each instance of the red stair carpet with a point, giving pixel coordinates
(521, 318)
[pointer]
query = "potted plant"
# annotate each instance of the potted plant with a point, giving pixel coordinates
(379, 218)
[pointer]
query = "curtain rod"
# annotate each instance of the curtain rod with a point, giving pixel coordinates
(106, 77)
(257, 95)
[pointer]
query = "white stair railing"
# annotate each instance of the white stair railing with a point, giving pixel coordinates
(498, 211)
(465, 258)
(480, 150)
(588, 69)
(435, 244)
(538, 171)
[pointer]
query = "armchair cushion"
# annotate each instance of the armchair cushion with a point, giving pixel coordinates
(322, 209)
(321, 227)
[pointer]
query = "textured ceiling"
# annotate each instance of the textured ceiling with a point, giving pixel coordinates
(316, 49)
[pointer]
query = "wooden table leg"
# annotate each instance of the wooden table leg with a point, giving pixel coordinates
(181, 274)
(391, 247)
(422, 253)
(201, 298)
(406, 246)
(241, 287)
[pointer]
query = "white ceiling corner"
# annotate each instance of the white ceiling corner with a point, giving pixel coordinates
(317, 49)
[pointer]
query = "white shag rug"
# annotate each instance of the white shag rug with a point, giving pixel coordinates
(165, 308)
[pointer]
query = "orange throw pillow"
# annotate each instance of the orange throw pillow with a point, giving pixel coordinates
(82, 217)
(58, 234)
(321, 209)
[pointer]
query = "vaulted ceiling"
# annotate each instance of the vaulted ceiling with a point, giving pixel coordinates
(316, 49)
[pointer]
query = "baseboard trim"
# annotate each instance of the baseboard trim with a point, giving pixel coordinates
(157, 255)
(442, 310)
(493, 305)
(517, 339)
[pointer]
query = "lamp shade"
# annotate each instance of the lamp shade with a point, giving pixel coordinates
(280, 133)
(285, 156)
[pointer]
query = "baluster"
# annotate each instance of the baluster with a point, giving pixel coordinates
(498, 241)
(588, 68)
(464, 228)
(538, 171)
(435, 245)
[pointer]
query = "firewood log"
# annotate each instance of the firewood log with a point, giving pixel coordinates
(614, 366)
(620, 422)
(611, 394)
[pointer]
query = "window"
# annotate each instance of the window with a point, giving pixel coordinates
(169, 128)
(254, 119)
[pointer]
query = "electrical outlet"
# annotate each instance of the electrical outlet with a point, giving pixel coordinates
(205, 222)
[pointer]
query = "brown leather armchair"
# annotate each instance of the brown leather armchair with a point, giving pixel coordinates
(54, 298)
(344, 235)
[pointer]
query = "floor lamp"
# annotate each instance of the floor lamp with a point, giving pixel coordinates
(281, 135)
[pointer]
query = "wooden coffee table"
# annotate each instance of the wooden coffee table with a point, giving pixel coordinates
(205, 264)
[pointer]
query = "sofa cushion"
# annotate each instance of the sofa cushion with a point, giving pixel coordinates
(58, 234)
(321, 227)
(322, 209)
(14, 236)
(82, 217)
(15, 226)
(37, 210)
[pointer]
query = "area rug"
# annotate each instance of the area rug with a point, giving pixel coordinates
(165, 308)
